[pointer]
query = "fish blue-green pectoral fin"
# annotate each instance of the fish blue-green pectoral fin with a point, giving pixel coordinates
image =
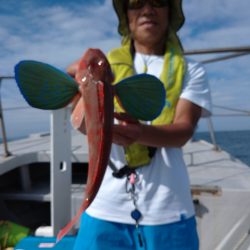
(44, 86)
(142, 96)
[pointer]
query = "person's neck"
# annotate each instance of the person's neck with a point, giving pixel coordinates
(149, 49)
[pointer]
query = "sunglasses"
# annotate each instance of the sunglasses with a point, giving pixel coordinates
(137, 4)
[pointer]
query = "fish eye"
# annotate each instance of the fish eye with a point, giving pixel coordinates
(100, 63)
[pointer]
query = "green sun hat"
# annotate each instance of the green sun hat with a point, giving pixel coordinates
(176, 21)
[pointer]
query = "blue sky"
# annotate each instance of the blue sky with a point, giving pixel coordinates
(58, 32)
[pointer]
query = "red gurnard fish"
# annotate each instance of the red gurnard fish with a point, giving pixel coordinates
(96, 102)
(45, 87)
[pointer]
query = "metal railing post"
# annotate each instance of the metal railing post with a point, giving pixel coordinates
(5, 144)
(60, 169)
(211, 131)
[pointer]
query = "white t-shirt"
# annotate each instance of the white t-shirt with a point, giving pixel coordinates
(162, 189)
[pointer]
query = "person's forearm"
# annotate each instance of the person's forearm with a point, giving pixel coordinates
(174, 135)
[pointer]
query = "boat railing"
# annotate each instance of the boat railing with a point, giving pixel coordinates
(3, 130)
(231, 52)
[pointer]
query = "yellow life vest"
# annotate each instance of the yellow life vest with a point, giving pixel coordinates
(121, 62)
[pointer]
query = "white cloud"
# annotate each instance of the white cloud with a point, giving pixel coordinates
(56, 34)
(218, 24)
(59, 32)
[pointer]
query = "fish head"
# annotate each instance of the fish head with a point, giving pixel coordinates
(94, 66)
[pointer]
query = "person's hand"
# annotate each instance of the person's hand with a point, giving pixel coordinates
(127, 131)
(77, 112)
(72, 68)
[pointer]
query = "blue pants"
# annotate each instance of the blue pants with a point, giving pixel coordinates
(95, 234)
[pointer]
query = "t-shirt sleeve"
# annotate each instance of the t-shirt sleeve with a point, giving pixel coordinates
(196, 88)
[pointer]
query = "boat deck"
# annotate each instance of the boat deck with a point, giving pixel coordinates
(206, 165)
(36, 148)
(220, 186)
(209, 166)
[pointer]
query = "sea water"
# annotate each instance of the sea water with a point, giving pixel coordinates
(237, 143)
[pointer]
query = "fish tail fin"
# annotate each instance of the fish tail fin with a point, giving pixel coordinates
(64, 231)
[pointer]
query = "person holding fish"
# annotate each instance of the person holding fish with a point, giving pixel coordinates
(144, 201)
